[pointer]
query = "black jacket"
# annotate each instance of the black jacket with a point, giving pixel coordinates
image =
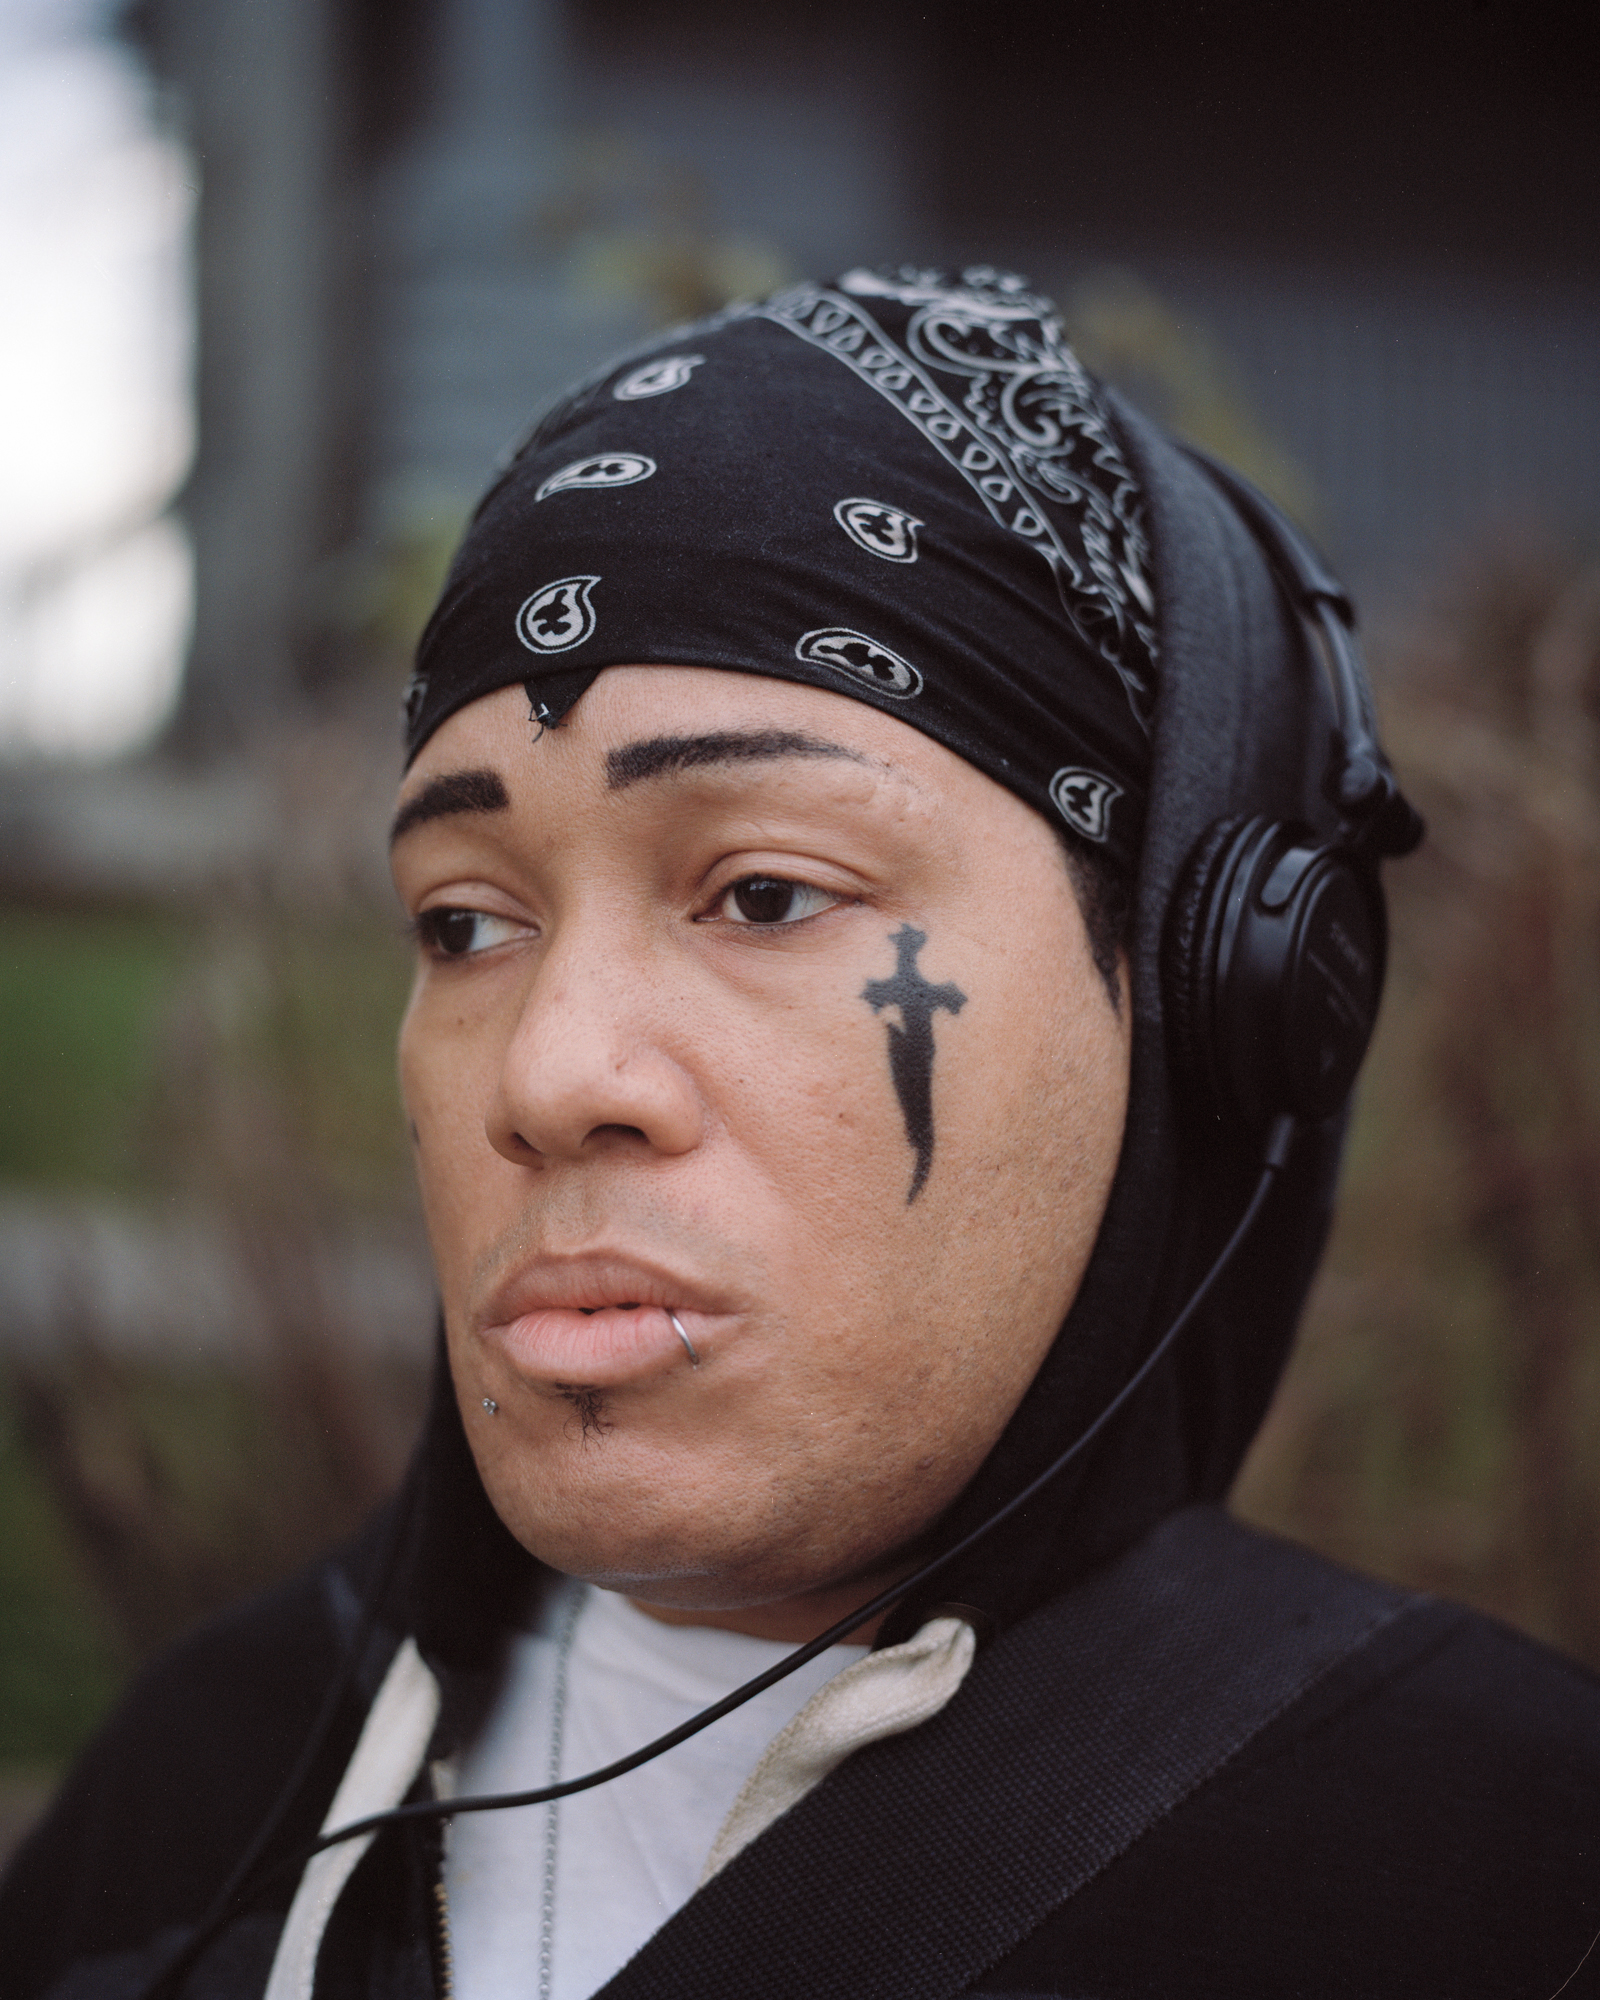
(1218, 1767)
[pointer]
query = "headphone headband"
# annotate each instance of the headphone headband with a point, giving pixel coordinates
(1377, 820)
(1276, 937)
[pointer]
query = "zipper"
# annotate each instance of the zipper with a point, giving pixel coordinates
(443, 1971)
(435, 1847)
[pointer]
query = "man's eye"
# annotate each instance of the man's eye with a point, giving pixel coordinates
(768, 899)
(460, 933)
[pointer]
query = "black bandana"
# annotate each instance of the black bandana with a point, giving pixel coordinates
(901, 487)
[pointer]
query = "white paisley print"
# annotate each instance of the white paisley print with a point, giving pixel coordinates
(982, 368)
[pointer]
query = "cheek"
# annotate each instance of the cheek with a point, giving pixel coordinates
(812, 1134)
(446, 1070)
(1035, 1106)
(430, 1065)
(948, 1302)
(1030, 1097)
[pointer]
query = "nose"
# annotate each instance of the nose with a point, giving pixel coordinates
(587, 1064)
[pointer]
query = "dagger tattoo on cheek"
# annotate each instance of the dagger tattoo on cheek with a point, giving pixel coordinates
(911, 1041)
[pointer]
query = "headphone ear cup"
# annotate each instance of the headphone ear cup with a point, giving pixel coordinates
(1187, 964)
(1273, 967)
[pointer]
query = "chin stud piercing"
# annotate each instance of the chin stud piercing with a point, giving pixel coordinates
(688, 1344)
(491, 1406)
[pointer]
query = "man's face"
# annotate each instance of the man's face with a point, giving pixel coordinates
(743, 1002)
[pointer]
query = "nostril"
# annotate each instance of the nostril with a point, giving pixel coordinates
(616, 1132)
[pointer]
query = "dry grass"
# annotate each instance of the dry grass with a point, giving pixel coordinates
(1439, 1421)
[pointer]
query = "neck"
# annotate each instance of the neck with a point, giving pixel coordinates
(792, 1620)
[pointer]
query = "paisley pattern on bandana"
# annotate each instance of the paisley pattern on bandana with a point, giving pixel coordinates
(882, 531)
(606, 468)
(900, 487)
(660, 378)
(1020, 420)
(863, 659)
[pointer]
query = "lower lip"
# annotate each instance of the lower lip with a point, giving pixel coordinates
(598, 1349)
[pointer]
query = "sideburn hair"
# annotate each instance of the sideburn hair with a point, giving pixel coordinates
(1105, 898)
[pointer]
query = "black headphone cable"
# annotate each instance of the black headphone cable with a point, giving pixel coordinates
(1274, 1157)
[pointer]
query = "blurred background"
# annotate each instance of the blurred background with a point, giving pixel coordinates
(280, 283)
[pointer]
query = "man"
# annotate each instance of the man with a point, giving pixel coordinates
(893, 943)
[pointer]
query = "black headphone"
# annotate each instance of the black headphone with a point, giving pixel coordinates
(1276, 937)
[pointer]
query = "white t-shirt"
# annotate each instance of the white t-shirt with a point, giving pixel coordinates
(628, 1854)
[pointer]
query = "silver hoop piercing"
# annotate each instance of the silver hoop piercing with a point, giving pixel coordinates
(677, 1327)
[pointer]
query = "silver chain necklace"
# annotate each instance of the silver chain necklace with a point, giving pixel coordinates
(552, 1812)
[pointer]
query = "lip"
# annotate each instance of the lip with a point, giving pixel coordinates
(563, 1321)
(600, 1350)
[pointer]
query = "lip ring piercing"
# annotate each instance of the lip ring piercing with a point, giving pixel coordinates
(677, 1327)
(493, 1407)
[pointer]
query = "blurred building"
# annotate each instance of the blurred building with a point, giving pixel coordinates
(419, 218)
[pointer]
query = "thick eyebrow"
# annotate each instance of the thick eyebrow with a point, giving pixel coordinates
(658, 755)
(456, 792)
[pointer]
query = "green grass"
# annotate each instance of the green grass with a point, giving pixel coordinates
(60, 1665)
(325, 1028)
(122, 1035)
(80, 997)
(240, 1058)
